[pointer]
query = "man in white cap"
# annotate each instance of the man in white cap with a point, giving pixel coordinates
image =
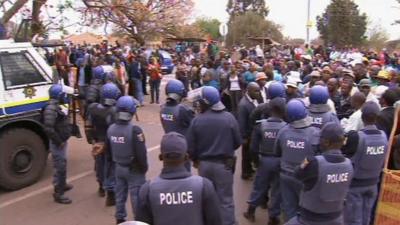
(292, 90)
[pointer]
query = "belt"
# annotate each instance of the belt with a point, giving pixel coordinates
(291, 174)
(268, 155)
(215, 159)
(123, 165)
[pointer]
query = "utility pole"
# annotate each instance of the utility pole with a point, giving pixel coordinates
(308, 21)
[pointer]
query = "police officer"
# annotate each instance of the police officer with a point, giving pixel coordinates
(326, 180)
(367, 149)
(127, 145)
(58, 129)
(262, 142)
(319, 110)
(294, 143)
(246, 106)
(100, 117)
(213, 137)
(275, 89)
(174, 115)
(93, 91)
(175, 196)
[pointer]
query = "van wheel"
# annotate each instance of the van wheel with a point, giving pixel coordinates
(23, 157)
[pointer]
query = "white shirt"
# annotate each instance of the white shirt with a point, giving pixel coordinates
(234, 84)
(255, 103)
(372, 98)
(354, 122)
(107, 68)
(264, 93)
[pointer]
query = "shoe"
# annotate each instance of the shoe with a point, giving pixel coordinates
(152, 102)
(119, 221)
(60, 198)
(246, 176)
(101, 192)
(68, 187)
(274, 221)
(250, 217)
(264, 205)
(110, 200)
(157, 102)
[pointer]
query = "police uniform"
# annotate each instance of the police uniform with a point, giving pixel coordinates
(267, 175)
(294, 143)
(213, 137)
(175, 196)
(326, 179)
(368, 159)
(93, 91)
(100, 117)
(176, 117)
(322, 115)
(245, 108)
(58, 129)
(128, 149)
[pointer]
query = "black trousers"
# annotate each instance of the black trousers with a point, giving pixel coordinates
(247, 168)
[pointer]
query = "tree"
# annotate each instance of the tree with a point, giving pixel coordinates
(209, 27)
(342, 24)
(9, 12)
(377, 38)
(44, 17)
(240, 7)
(189, 31)
(252, 24)
(140, 19)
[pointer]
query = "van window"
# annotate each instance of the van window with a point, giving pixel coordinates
(17, 69)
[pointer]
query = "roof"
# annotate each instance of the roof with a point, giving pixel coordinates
(266, 40)
(187, 39)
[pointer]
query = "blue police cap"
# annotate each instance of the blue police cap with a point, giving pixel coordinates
(370, 109)
(173, 145)
(332, 132)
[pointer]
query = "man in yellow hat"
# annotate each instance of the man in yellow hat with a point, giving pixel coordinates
(383, 79)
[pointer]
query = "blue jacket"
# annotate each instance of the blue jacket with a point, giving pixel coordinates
(134, 70)
(213, 135)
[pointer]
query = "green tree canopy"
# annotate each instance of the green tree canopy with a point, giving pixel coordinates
(239, 7)
(342, 24)
(209, 27)
(252, 24)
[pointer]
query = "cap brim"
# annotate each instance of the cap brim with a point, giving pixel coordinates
(291, 85)
(174, 96)
(219, 106)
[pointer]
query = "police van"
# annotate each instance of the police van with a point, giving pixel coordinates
(25, 79)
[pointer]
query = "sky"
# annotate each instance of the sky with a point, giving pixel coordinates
(292, 14)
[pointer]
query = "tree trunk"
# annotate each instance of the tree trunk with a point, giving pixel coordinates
(13, 10)
(37, 26)
(138, 38)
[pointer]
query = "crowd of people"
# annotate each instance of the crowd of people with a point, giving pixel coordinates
(312, 123)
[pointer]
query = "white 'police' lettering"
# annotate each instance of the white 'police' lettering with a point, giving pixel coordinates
(337, 178)
(179, 198)
(295, 144)
(317, 120)
(118, 140)
(168, 117)
(269, 134)
(375, 150)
